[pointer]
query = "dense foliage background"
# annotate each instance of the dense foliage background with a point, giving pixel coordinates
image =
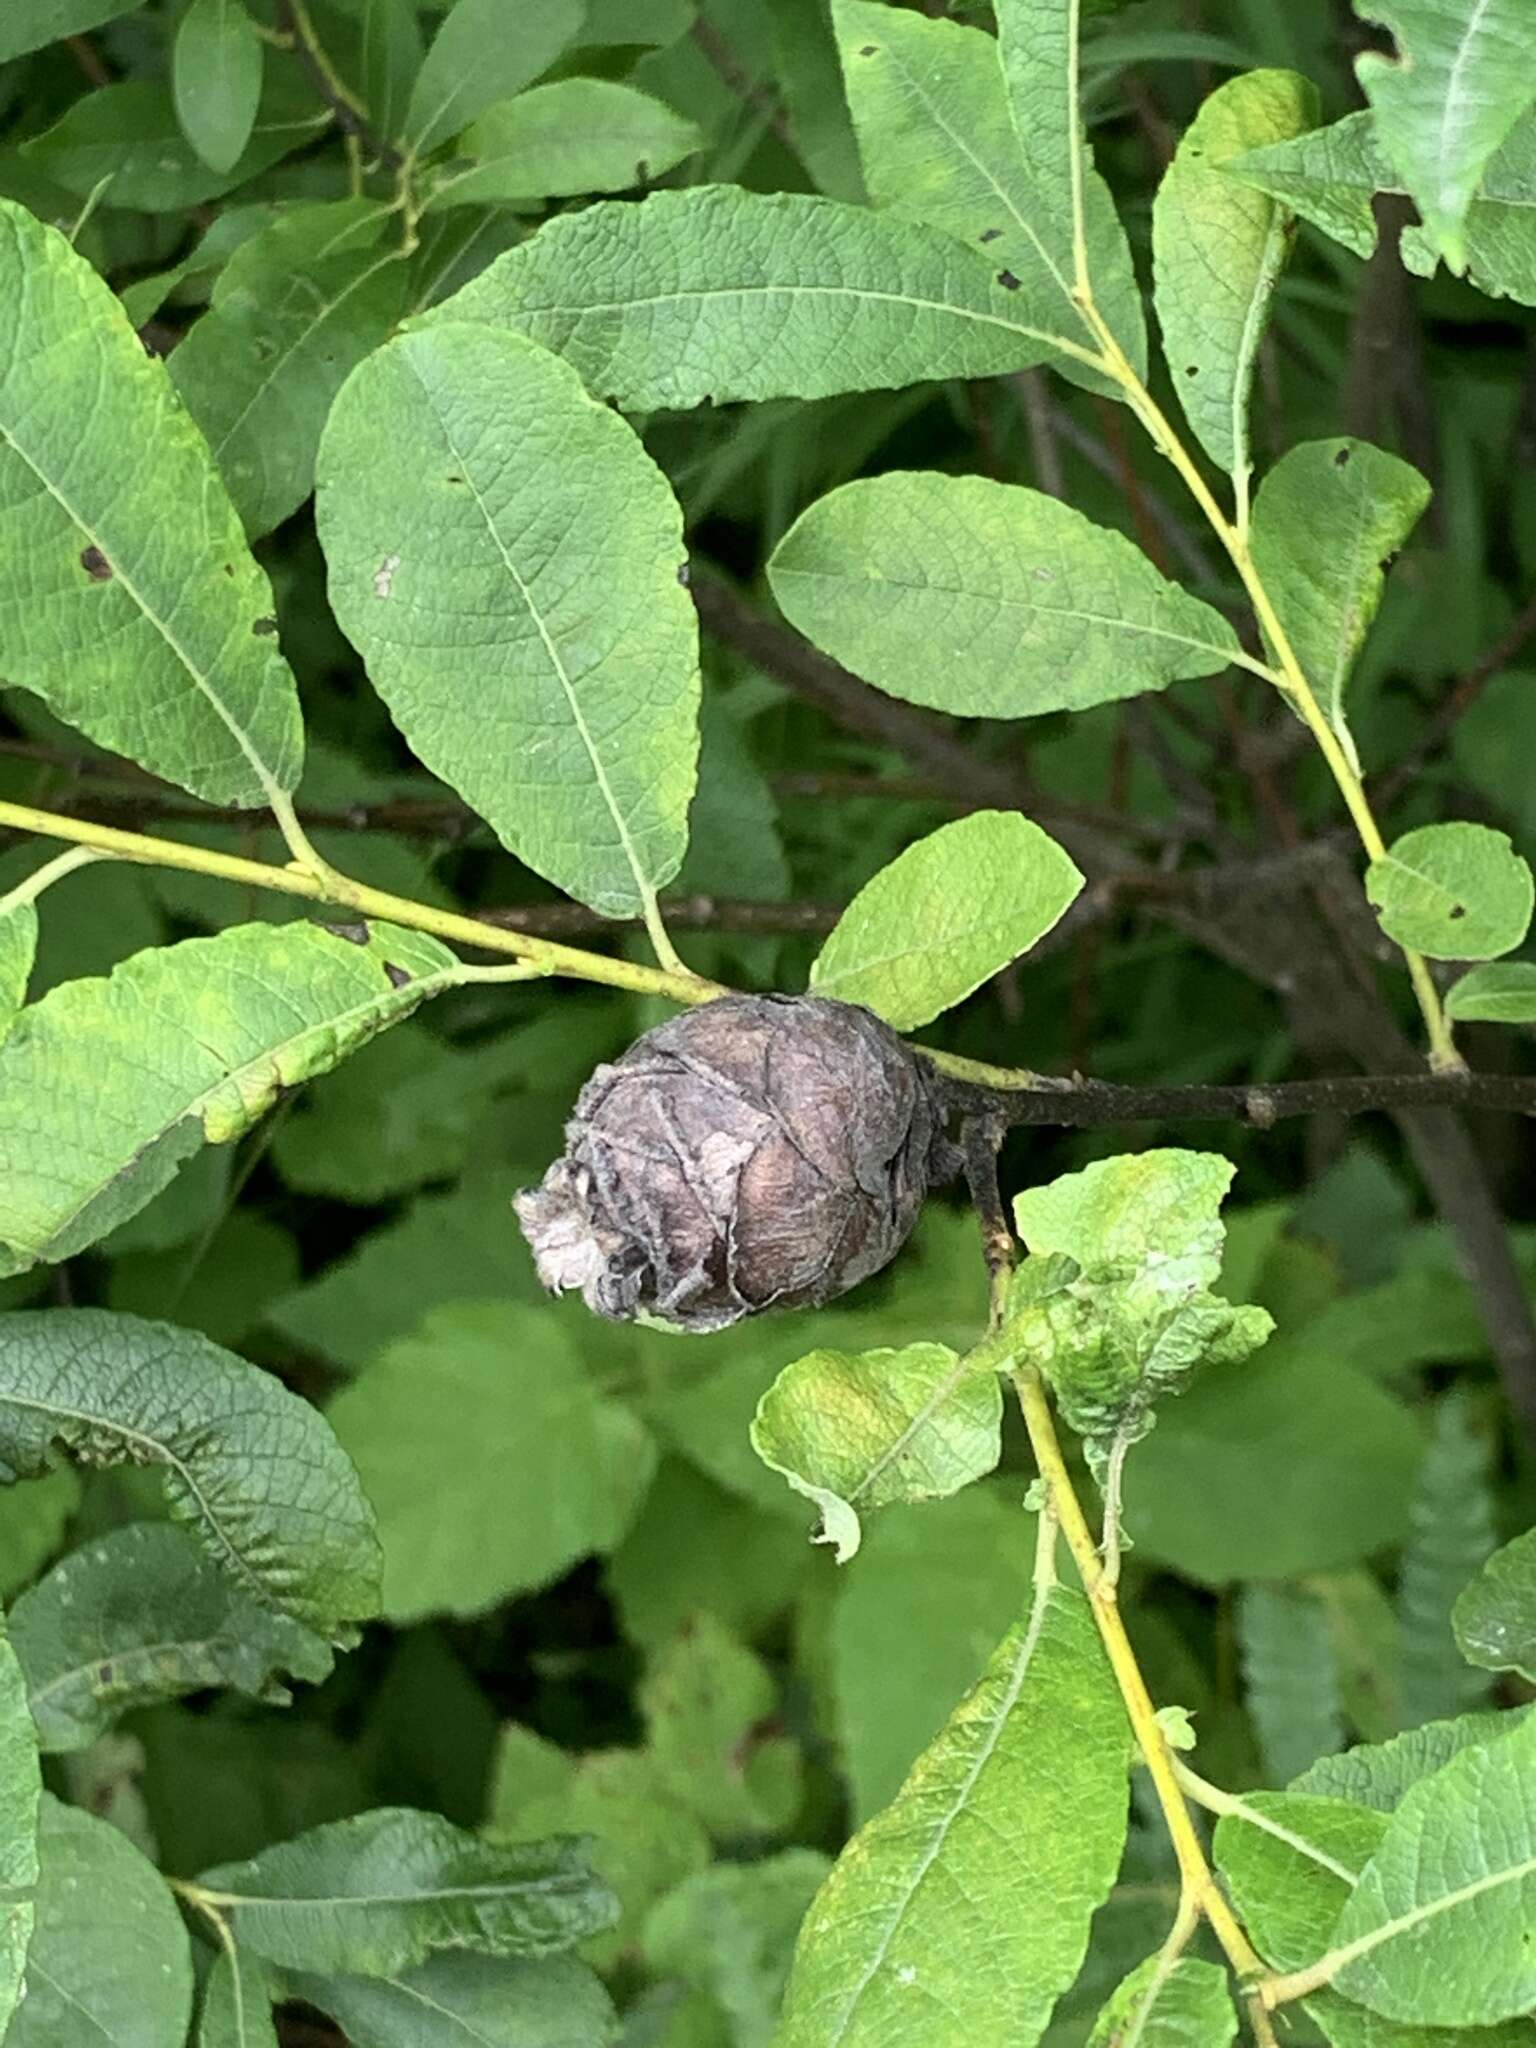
(601, 1612)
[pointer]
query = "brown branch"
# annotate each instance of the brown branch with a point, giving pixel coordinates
(682, 913)
(347, 112)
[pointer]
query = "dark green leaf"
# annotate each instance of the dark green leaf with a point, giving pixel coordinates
(29, 24)
(1451, 1535)
(480, 55)
(1502, 994)
(20, 1791)
(578, 135)
(454, 2000)
(216, 78)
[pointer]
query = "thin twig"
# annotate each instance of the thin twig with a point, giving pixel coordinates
(1084, 1104)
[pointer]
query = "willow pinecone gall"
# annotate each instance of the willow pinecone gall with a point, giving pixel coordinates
(758, 1152)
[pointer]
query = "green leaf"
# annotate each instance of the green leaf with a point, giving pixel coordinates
(1503, 994)
(178, 1047)
(18, 948)
(389, 60)
(30, 24)
(577, 135)
(1291, 1676)
(1021, 1796)
(864, 1432)
(938, 145)
(1328, 521)
(33, 1519)
(1218, 250)
(1035, 41)
(806, 68)
(123, 145)
(297, 306)
(1379, 1774)
(718, 294)
(141, 1614)
(20, 1792)
(1438, 1928)
(987, 599)
(144, 297)
(109, 1959)
(523, 621)
(480, 55)
(216, 78)
(152, 640)
(250, 1469)
(1463, 73)
(453, 2000)
(488, 1405)
(945, 915)
(1183, 2005)
(380, 1893)
(1454, 892)
(237, 2004)
(1451, 1536)
(1495, 1616)
(730, 1932)
(706, 1699)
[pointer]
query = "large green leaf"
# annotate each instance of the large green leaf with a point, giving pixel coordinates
(1218, 248)
(1451, 1535)
(987, 599)
(938, 144)
(524, 621)
(18, 949)
(250, 1469)
(380, 1893)
(577, 135)
(1022, 1796)
(718, 294)
(1495, 1616)
(29, 24)
(294, 309)
(1502, 994)
(1463, 73)
(945, 915)
(865, 1431)
(488, 1405)
(1035, 39)
(216, 79)
(468, 2001)
(1379, 1774)
(1184, 2004)
(142, 1614)
(109, 1961)
(141, 616)
(123, 145)
(1455, 892)
(1438, 1929)
(20, 1791)
(1328, 522)
(479, 55)
(237, 2004)
(181, 1046)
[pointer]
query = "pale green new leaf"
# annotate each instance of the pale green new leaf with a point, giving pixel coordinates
(1454, 892)
(18, 949)
(251, 1470)
(1463, 73)
(1291, 1677)
(109, 1962)
(141, 614)
(106, 1086)
(463, 2000)
(1218, 248)
(237, 2004)
(1451, 1536)
(123, 145)
(20, 1791)
(216, 70)
(524, 621)
(1328, 521)
(30, 24)
(576, 135)
(294, 310)
(938, 145)
(1502, 994)
(1035, 39)
(1438, 1929)
(945, 915)
(729, 1932)
(1495, 1616)
(381, 1892)
(1021, 1798)
(1161, 1203)
(717, 294)
(852, 1433)
(1183, 2005)
(143, 1614)
(987, 599)
(488, 1405)
(482, 54)
(706, 1697)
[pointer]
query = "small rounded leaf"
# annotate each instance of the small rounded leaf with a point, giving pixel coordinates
(1453, 892)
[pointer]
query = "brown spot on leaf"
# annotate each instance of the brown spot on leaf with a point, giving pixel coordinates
(989, 235)
(1341, 460)
(264, 628)
(355, 934)
(1007, 280)
(684, 574)
(869, 49)
(398, 978)
(96, 565)
(1457, 910)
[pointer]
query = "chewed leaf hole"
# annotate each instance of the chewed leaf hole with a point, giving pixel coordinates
(96, 565)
